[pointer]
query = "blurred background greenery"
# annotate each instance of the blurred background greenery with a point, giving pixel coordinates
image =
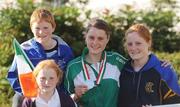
(71, 20)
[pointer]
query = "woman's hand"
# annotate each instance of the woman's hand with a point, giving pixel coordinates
(165, 63)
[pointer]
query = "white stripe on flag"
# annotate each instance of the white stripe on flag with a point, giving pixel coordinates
(22, 65)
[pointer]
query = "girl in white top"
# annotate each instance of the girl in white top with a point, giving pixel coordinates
(48, 74)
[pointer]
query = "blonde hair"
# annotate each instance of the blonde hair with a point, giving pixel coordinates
(42, 15)
(48, 64)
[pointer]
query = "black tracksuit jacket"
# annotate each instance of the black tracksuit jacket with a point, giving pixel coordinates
(153, 84)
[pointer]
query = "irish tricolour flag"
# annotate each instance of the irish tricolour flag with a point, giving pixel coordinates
(25, 68)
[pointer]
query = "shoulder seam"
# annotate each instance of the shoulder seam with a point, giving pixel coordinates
(73, 63)
(115, 53)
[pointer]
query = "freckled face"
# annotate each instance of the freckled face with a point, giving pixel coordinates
(47, 80)
(96, 40)
(137, 46)
(42, 31)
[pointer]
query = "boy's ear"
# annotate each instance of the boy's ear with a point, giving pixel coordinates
(54, 29)
(31, 29)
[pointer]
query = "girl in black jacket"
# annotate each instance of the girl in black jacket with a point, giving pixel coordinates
(143, 81)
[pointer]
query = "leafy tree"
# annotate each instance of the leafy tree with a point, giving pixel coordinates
(160, 20)
(14, 24)
(69, 27)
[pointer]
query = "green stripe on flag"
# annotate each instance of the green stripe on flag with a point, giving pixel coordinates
(20, 51)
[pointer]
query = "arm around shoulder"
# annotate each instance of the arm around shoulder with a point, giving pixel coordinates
(169, 86)
(170, 77)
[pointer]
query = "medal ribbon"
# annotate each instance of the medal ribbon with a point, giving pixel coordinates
(100, 73)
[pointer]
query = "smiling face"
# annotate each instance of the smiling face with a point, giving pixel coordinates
(47, 80)
(42, 25)
(96, 40)
(136, 46)
(48, 75)
(42, 31)
(138, 42)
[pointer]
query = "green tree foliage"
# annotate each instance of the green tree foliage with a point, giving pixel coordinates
(14, 24)
(160, 20)
(69, 27)
(5, 90)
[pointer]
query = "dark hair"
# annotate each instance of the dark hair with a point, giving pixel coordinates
(100, 24)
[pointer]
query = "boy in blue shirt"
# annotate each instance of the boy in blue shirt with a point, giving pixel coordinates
(43, 46)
